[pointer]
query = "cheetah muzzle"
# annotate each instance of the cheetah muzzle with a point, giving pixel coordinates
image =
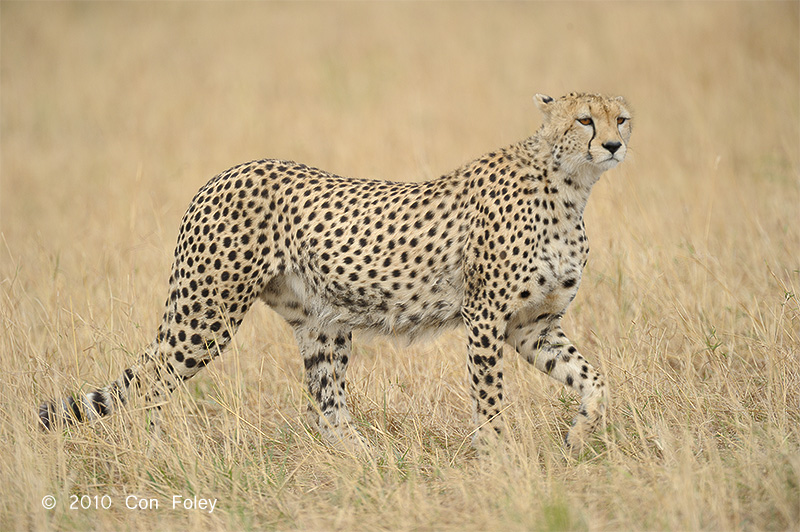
(498, 245)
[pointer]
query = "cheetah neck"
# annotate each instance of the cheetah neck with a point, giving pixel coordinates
(572, 186)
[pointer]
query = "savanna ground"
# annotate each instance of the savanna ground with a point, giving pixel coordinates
(113, 115)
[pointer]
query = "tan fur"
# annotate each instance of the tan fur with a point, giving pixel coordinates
(497, 246)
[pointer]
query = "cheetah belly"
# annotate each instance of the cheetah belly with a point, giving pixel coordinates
(411, 313)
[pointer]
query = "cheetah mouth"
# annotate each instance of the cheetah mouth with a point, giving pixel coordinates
(612, 160)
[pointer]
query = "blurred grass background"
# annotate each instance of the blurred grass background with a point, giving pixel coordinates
(112, 115)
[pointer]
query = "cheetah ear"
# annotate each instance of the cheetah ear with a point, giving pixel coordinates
(543, 102)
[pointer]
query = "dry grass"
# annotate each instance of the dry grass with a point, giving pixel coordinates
(112, 115)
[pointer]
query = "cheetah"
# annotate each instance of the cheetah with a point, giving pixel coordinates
(497, 246)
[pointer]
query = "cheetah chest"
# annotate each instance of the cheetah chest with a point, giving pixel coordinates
(558, 277)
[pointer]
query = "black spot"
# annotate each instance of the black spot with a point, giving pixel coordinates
(74, 409)
(99, 404)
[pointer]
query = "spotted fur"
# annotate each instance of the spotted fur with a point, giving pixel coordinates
(498, 245)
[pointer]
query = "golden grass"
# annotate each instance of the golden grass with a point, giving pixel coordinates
(112, 115)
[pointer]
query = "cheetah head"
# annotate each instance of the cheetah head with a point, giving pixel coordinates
(588, 133)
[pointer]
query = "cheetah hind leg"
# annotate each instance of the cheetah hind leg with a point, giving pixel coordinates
(326, 353)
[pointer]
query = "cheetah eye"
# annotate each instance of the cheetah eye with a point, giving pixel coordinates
(621, 120)
(586, 121)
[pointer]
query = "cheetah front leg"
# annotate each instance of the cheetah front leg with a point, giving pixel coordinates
(545, 345)
(485, 371)
(326, 353)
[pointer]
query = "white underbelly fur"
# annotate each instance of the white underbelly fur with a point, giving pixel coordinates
(436, 308)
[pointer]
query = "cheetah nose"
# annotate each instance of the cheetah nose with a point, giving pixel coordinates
(612, 146)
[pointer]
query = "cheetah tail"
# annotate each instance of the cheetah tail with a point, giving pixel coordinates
(87, 407)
